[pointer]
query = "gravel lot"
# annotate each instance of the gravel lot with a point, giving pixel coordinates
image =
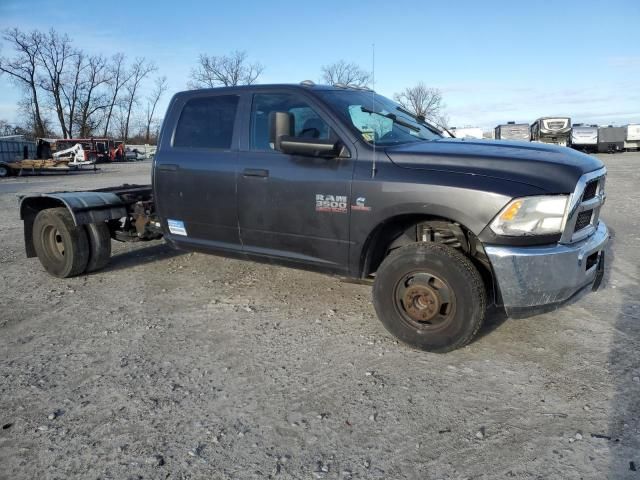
(176, 365)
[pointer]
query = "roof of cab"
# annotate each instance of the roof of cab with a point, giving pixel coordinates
(306, 85)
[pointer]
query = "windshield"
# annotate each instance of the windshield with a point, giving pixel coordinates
(380, 120)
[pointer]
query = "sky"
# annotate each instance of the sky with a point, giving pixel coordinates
(494, 61)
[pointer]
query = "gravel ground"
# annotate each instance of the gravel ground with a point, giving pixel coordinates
(176, 365)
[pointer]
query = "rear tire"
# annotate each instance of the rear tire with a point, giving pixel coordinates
(430, 296)
(99, 246)
(61, 246)
(5, 171)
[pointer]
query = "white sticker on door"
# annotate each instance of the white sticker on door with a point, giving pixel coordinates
(176, 227)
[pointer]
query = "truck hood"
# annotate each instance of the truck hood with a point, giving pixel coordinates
(548, 167)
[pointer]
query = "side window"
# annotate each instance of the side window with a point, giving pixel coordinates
(207, 122)
(307, 123)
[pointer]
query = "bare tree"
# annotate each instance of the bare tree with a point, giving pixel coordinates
(23, 68)
(6, 128)
(71, 86)
(348, 74)
(120, 75)
(139, 71)
(152, 103)
(224, 70)
(91, 99)
(54, 54)
(422, 101)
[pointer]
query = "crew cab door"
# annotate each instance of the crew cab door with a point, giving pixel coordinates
(293, 208)
(195, 172)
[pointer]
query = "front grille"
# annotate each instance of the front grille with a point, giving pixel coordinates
(584, 207)
(583, 220)
(590, 190)
(555, 125)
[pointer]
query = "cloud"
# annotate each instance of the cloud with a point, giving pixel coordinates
(625, 62)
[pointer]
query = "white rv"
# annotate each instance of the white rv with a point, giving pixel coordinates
(551, 130)
(584, 137)
(632, 140)
(513, 131)
(467, 132)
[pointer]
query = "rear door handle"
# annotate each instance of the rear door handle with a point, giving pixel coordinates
(255, 172)
(168, 167)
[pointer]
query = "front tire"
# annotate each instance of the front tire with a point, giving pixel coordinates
(61, 246)
(430, 296)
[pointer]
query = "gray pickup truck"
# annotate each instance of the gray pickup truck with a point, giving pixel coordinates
(347, 182)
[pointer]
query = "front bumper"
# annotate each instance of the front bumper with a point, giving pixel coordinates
(535, 276)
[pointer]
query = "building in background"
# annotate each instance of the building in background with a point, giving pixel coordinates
(513, 131)
(16, 147)
(611, 139)
(632, 140)
(467, 132)
(584, 137)
(555, 130)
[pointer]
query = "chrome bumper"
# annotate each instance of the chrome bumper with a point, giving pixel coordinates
(535, 276)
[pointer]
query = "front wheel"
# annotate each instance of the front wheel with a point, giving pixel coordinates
(430, 296)
(5, 171)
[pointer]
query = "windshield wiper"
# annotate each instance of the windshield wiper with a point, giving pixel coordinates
(423, 121)
(393, 118)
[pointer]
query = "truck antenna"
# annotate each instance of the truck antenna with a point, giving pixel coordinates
(373, 104)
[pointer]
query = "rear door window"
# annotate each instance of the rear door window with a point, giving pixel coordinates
(207, 122)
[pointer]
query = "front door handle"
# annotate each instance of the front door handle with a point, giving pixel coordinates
(168, 167)
(255, 172)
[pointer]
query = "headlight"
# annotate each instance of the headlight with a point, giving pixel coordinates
(540, 215)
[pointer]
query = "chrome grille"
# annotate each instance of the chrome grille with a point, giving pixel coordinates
(590, 190)
(583, 220)
(584, 207)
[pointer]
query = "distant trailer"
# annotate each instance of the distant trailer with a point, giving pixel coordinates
(555, 130)
(611, 139)
(585, 138)
(16, 148)
(467, 132)
(632, 140)
(513, 131)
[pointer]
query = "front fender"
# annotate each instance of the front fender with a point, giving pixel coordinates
(397, 193)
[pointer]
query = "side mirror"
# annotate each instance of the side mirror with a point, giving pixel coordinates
(281, 137)
(280, 125)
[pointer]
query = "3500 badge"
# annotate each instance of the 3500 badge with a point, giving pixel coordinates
(331, 203)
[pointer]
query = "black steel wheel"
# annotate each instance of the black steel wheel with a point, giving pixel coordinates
(61, 246)
(430, 296)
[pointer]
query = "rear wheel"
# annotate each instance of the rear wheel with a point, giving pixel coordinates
(61, 246)
(99, 246)
(5, 171)
(430, 296)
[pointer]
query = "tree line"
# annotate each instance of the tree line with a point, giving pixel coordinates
(236, 69)
(69, 92)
